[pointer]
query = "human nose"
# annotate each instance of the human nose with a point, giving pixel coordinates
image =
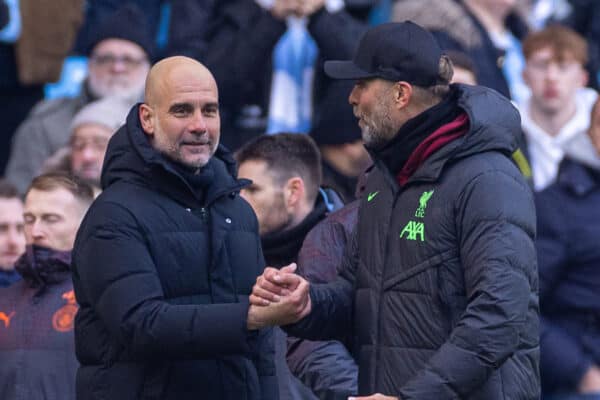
(118, 66)
(353, 97)
(14, 237)
(198, 123)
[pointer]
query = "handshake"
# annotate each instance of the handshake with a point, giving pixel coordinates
(279, 297)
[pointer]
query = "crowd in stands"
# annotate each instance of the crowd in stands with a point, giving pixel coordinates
(295, 136)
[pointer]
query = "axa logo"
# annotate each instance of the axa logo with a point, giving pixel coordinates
(415, 230)
(6, 318)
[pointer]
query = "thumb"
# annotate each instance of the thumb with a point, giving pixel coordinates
(291, 268)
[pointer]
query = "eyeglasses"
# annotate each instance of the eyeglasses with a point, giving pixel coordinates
(104, 60)
(96, 144)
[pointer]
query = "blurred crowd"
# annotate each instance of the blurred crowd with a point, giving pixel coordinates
(71, 71)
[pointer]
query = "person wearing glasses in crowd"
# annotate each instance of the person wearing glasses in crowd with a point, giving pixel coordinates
(119, 59)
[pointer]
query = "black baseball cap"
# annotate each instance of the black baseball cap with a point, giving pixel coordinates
(396, 51)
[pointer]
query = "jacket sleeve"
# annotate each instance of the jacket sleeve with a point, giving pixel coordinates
(326, 367)
(332, 303)
(563, 361)
(495, 219)
(119, 279)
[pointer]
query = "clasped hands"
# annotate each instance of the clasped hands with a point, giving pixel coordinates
(279, 297)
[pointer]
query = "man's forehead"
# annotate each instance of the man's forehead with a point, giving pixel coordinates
(54, 199)
(115, 45)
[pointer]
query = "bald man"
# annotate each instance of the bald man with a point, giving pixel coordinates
(167, 255)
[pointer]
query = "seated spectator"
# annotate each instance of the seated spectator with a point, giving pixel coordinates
(12, 239)
(37, 346)
(119, 62)
(556, 117)
(91, 129)
(337, 134)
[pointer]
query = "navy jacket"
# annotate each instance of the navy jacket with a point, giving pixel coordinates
(569, 260)
(439, 281)
(163, 280)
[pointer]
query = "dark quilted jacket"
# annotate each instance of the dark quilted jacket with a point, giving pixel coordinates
(163, 280)
(439, 284)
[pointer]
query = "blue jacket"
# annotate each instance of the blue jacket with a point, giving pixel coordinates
(163, 280)
(569, 259)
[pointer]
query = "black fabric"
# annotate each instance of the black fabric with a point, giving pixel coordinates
(395, 51)
(41, 266)
(163, 276)
(568, 254)
(439, 282)
(414, 131)
(128, 22)
(342, 184)
(334, 122)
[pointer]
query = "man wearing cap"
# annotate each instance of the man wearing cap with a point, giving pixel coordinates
(439, 283)
(119, 60)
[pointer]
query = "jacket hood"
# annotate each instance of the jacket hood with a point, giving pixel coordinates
(130, 157)
(494, 125)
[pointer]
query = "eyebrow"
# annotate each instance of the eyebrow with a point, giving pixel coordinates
(181, 107)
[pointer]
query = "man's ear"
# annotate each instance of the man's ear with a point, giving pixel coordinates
(402, 94)
(146, 115)
(294, 192)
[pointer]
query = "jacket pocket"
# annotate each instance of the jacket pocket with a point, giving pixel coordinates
(434, 261)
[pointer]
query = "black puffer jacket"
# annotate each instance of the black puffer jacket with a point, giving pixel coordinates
(163, 280)
(440, 284)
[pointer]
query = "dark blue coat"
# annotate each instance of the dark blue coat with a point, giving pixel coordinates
(163, 280)
(568, 247)
(439, 281)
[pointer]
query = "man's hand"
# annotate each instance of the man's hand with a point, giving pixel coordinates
(289, 309)
(274, 284)
(590, 383)
(594, 130)
(376, 396)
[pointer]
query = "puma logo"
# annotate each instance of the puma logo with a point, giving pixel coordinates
(6, 318)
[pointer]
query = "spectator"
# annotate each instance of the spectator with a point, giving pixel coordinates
(293, 38)
(556, 118)
(167, 256)
(177, 26)
(37, 313)
(568, 254)
(91, 129)
(12, 238)
(488, 31)
(284, 193)
(34, 41)
(119, 62)
(344, 156)
(439, 282)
